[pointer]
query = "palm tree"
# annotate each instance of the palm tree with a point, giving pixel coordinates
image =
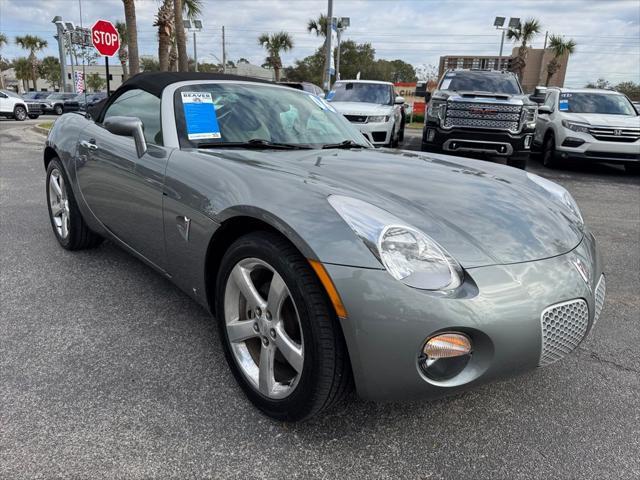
(33, 44)
(22, 69)
(181, 38)
(319, 25)
(274, 44)
(559, 47)
(166, 31)
(132, 36)
(524, 34)
(3, 42)
(123, 53)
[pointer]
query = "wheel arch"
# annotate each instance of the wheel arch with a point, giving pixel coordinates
(49, 154)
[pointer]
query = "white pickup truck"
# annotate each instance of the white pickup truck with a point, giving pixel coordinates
(14, 106)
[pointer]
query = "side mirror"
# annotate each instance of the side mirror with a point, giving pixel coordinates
(544, 110)
(128, 127)
(427, 96)
(399, 100)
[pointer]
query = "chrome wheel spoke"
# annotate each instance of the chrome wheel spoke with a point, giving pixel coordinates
(58, 203)
(241, 330)
(53, 181)
(57, 210)
(277, 294)
(242, 278)
(65, 224)
(289, 349)
(266, 379)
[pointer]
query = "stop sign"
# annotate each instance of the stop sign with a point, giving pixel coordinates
(104, 37)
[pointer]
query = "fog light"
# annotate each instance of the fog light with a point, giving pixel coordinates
(444, 356)
(431, 134)
(527, 141)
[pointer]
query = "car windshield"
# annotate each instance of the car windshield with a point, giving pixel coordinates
(254, 115)
(494, 82)
(11, 94)
(57, 96)
(593, 102)
(362, 92)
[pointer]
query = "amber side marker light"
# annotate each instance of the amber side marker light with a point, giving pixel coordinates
(329, 287)
(446, 355)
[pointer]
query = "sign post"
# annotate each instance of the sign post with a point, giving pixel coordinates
(106, 41)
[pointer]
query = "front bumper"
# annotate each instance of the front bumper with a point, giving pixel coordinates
(499, 307)
(597, 150)
(377, 133)
(490, 142)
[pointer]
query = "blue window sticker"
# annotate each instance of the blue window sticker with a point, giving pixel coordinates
(200, 114)
(564, 105)
(330, 95)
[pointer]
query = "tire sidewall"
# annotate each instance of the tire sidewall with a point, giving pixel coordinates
(295, 405)
(548, 151)
(58, 109)
(22, 116)
(55, 164)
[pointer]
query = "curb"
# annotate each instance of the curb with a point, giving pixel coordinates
(40, 130)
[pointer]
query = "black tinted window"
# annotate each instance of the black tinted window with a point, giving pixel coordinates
(494, 82)
(604, 103)
(141, 104)
(362, 92)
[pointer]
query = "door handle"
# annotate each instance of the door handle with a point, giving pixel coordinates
(88, 145)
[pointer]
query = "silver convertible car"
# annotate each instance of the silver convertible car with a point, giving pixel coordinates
(327, 264)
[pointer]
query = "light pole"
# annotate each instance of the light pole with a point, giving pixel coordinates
(196, 27)
(327, 60)
(57, 20)
(341, 24)
(514, 23)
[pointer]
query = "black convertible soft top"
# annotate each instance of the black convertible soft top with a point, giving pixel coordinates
(155, 82)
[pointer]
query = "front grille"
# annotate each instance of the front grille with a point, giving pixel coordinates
(612, 134)
(601, 290)
(356, 118)
(483, 115)
(563, 327)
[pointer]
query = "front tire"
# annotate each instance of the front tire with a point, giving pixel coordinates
(280, 334)
(66, 220)
(20, 113)
(58, 109)
(549, 155)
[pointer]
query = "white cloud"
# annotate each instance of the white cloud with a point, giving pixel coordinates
(607, 33)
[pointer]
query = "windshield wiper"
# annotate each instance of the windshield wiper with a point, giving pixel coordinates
(346, 144)
(255, 143)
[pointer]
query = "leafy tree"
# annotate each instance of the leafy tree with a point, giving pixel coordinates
(393, 71)
(149, 64)
(22, 69)
(132, 36)
(181, 39)
(274, 44)
(427, 73)
(243, 60)
(630, 89)
(49, 69)
(524, 34)
(33, 44)
(600, 83)
(559, 47)
(123, 53)
(3, 42)
(165, 21)
(95, 82)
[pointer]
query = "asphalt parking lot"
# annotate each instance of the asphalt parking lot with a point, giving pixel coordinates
(108, 371)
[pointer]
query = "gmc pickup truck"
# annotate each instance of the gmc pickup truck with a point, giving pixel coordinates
(480, 112)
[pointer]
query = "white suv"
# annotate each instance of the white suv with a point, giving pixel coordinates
(14, 106)
(372, 107)
(588, 124)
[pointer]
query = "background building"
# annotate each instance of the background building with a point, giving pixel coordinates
(534, 73)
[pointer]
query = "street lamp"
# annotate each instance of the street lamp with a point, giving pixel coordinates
(341, 24)
(60, 27)
(514, 23)
(195, 27)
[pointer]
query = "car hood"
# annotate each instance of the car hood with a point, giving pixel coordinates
(482, 213)
(604, 120)
(359, 108)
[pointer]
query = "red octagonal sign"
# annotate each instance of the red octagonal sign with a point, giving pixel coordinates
(105, 38)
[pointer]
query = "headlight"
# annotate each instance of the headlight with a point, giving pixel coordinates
(437, 109)
(378, 119)
(408, 254)
(531, 115)
(560, 193)
(575, 126)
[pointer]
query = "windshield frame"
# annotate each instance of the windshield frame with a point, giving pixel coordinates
(633, 112)
(170, 115)
(496, 74)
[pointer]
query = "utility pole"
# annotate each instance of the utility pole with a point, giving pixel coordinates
(195, 51)
(546, 35)
(338, 55)
(327, 61)
(57, 20)
(224, 53)
(502, 44)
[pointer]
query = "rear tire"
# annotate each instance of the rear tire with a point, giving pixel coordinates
(58, 110)
(401, 133)
(66, 220)
(549, 155)
(323, 375)
(20, 113)
(34, 117)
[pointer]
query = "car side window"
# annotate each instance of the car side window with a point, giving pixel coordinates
(550, 101)
(2, 95)
(145, 106)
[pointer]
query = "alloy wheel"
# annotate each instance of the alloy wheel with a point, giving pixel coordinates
(263, 328)
(20, 113)
(59, 203)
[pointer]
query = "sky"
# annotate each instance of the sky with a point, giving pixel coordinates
(607, 32)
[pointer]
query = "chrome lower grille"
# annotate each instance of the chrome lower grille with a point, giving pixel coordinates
(483, 115)
(611, 134)
(564, 325)
(601, 290)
